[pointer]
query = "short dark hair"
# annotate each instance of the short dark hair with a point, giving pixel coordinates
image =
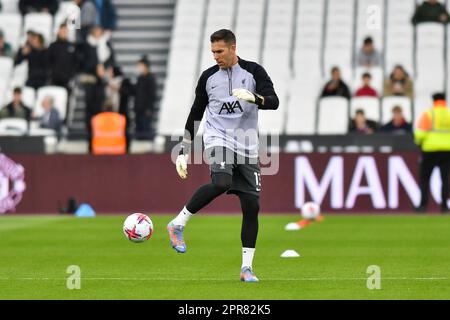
(17, 90)
(359, 111)
(223, 34)
(367, 75)
(439, 96)
(368, 40)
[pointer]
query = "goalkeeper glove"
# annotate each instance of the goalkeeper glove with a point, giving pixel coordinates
(246, 95)
(181, 163)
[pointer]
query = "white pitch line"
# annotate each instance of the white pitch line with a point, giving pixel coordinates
(217, 279)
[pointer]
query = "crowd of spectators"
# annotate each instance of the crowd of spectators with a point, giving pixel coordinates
(90, 59)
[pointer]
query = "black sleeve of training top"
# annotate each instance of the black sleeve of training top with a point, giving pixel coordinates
(198, 107)
(264, 88)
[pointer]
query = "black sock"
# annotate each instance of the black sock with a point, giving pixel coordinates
(250, 210)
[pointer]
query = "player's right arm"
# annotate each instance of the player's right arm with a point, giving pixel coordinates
(190, 130)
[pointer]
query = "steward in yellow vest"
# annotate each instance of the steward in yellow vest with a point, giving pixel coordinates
(432, 134)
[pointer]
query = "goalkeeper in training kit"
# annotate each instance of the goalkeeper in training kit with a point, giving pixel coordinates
(230, 94)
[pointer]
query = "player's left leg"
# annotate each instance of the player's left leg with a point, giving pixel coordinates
(249, 234)
(247, 185)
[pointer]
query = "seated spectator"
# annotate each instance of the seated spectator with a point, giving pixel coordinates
(398, 124)
(399, 83)
(38, 65)
(368, 56)
(62, 59)
(16, 109)
(366, 90)
(5, 47)
(29, 6)
(361, 125)
(51, 118)
(430, 11)
(336, 87)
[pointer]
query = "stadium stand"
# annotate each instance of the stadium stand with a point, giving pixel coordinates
(297, 41)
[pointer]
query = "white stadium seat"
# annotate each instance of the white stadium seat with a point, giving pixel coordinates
(6, 68)
(333, 117)
(219, 16)
(182, 66)
(249, 29)
(13, 127)
(302, 106)
(11, 25)
(339, 34)
(370, 106)
(3, 89)
(59, 95)
(370, 22)
(278, 37)
(389, 102)
(10, 6)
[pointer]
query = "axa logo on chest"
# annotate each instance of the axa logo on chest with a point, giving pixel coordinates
(12, 184)
(229, 107)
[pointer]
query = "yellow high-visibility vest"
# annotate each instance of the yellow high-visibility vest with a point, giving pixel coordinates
(432, 133)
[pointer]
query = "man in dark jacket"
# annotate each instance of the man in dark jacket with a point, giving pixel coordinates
(398, 124)
(144, 105)
(430, 11)
(16, 109)
(336, 87)
(38, 65)
(28, 6)
(62, 58)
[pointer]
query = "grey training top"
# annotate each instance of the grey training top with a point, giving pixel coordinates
(231, 122)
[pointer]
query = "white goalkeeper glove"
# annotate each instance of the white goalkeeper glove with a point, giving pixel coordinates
(246, 95)
(181, 165)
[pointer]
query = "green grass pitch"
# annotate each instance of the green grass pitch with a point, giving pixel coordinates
(411, 251)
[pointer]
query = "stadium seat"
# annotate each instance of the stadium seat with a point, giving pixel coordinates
(399, 35)
(249, 29)
(20, 75)
(10, 6)
(278, 37)
(41, 23)
(182, 66)
(59, 95)
(422, 102)
(301, 109)
(339, 35)
(6, 68)
(333, 116)
(370, 22)
(219, 16)
(389, 102)
(4, 84)
(270, 121)
(370, 105)
(13, 127)
(11, 25)
(308, 39)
